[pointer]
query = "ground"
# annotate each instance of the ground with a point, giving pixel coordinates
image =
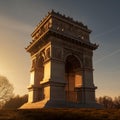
(60, 114)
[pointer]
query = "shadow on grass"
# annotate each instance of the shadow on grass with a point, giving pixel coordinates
(60, 114)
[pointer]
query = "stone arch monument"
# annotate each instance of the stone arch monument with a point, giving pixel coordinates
(62, 71)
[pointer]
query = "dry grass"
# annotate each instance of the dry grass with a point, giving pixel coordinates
(61, 114)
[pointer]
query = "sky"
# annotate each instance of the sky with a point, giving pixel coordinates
(18, 18)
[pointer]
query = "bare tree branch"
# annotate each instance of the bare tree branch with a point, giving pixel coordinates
(6, 89)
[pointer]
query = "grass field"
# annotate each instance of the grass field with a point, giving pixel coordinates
(61, 114)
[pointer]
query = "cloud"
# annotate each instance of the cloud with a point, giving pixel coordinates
(107, 32)
(107, 56)
(7, 23)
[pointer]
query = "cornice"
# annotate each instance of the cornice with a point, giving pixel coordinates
(50, 29)
(63, 36)
(57, 15)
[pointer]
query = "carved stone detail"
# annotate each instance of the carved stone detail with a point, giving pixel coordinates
(70, 29)
(33, 64)
(61, 56)
(88, 62)
(57, 53)
(47, 53)
(41, 30)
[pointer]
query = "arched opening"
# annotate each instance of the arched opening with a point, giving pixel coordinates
(40, 66)
(39, 77)
(73, 76)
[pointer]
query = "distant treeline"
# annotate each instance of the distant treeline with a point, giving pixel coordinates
(108, 102)
(17, 101)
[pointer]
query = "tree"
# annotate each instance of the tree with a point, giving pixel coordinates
(6, 89)
(117, 102)
(15, 102)
(106, 101)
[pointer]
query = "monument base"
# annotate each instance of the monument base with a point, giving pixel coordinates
(59, 104)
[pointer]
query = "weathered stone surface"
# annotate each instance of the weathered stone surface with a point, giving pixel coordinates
(62, 70)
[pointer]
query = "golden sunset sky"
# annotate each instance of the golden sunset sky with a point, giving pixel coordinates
(18, 18)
